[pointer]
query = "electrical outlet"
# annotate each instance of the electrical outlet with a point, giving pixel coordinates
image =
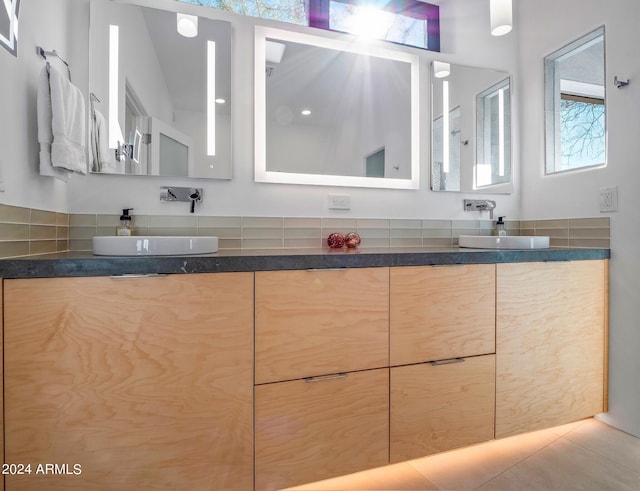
(339, 202)
(609, 199)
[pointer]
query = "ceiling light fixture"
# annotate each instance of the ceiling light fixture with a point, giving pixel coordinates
(441, 69)
(187, 25)
(306, 112)
(500, 12)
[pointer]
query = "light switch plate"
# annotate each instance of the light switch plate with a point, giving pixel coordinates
(339, 202)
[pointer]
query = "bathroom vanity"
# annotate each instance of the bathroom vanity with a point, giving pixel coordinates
(266, 370)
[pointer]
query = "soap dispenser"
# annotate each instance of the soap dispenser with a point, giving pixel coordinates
(124, 229)
(500, 227)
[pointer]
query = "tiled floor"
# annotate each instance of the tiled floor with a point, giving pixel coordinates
(587, 456)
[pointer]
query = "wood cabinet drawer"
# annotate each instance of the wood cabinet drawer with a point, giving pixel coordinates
(320, 322)
(438, 408)
(551, 339)
(442, 312)
(307, 431)
(147, 383)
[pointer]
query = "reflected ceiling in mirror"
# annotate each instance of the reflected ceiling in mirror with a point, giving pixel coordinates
(471, 129)
(162, 99)
(335, 112)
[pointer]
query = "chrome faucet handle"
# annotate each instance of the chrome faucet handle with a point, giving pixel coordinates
(195, 195)
(480, 205)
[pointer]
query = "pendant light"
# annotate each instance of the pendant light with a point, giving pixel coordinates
(500, 12)
(187, 25)
(441, 69)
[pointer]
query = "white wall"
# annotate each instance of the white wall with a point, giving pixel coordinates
(45, 23)
(544, 26)
(466, 41)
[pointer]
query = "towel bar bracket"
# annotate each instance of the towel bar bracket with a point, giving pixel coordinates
(620, 83)
(43, 54)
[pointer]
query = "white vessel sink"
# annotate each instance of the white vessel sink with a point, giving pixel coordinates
(504, 242)
(153, 245)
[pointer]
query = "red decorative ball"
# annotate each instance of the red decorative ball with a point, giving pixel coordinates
(335, 241)
(352, 240)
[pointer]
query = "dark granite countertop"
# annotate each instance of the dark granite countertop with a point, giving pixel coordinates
(86, 264)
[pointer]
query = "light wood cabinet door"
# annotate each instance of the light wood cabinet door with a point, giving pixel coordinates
(146, 383)
(551, 334)
(441, 312)
(320, 322)
(440, 407)
(308, 431)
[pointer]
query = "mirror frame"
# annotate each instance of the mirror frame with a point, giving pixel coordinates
(371, 48)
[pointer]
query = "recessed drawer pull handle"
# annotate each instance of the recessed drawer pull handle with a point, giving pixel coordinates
(325, 378)
(447, 362)
(150, 275)
(313, 270)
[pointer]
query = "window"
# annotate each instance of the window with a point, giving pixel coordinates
(409, 22)
(292, 11)
(575, 105)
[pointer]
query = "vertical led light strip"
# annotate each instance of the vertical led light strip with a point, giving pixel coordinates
(211, 98)
(501, 132)
(445, 126)
(115, 134)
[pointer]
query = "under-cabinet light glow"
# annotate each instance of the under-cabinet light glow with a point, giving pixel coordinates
(211, 98)
(445, 126)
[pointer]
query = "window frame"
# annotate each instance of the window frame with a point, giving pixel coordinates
(553, 96)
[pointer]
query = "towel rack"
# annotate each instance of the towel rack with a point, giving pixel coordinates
(54, 53)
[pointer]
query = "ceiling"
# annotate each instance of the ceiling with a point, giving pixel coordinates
(184, 60)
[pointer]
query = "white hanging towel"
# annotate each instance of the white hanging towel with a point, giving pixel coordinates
(67, 124)
(102, 157)
(45, 133)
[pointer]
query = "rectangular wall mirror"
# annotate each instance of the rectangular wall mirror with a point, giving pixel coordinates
(471, 147)
(162, 99)
(334, 112)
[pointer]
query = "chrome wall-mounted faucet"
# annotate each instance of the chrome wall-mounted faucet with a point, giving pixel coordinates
(189, 195)
(480, 205)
